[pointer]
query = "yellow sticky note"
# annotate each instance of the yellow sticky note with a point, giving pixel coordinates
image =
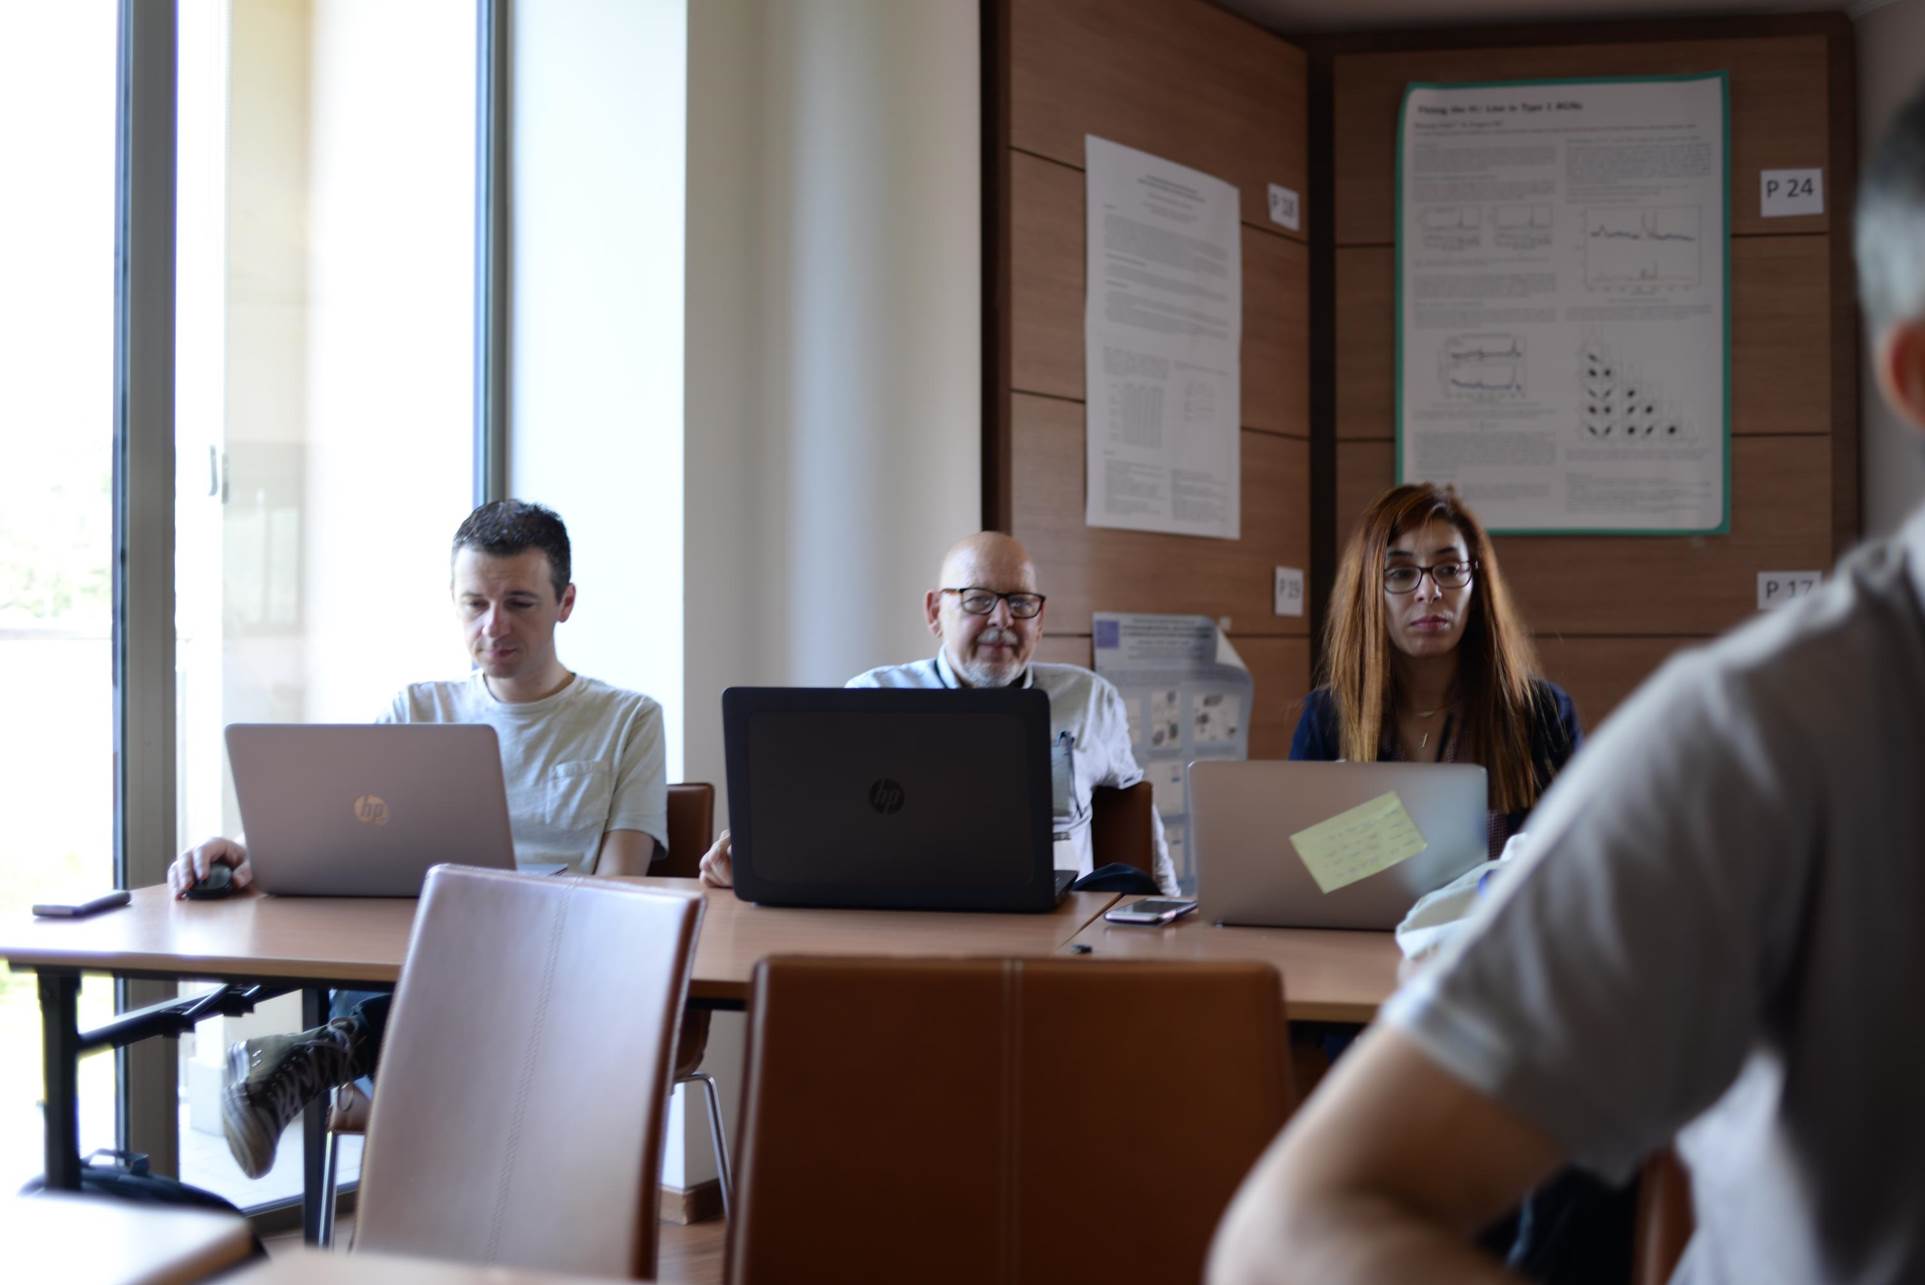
(1359, 842)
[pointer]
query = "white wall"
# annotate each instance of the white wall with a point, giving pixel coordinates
(834, 322)
(595, 379)
(387, 230)
(834, 356)
(1891, 64)
(832, 359)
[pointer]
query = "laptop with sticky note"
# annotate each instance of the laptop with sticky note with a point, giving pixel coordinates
(1330, 845)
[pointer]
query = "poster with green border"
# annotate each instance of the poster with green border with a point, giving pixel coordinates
(1563, 288)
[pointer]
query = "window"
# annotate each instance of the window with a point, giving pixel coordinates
(57, 84)
(323, 314)
(324, 395)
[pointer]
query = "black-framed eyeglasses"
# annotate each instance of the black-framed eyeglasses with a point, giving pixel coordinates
(1404, 577)
(980, 602)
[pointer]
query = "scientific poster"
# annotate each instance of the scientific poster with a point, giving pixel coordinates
(1562, 320)
(1163, 329)
(1189, 696)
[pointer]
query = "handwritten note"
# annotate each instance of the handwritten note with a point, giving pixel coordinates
(1359, 842)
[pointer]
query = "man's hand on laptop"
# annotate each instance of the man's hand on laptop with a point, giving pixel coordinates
(192, 865)
(718, 863)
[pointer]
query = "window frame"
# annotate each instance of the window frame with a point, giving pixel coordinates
(145, 690)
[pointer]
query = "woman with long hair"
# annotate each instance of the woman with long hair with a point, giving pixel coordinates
(1425, 660)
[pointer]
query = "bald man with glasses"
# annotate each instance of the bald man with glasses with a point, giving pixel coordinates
(989, 617)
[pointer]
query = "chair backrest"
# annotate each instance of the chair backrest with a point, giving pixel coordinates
(1665, 1219)
(957, 1120)
(691, 828)
(524, 1077)
(1120, 827)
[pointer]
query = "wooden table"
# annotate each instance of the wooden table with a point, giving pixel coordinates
(735, 934)
(313, 944)
(1329, 975)
(342, 941)
(321, 1267)
(86, 1239)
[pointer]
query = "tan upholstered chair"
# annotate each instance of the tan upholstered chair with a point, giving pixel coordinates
(957, 1120)
(525, 1074)
(1121, 827)
(691, 828)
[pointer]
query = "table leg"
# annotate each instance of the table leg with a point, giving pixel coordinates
(314, 1012)
(60, 1064)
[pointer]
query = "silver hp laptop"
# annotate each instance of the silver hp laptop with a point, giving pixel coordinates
(1242, 815)
(362, 810)
(891, 799)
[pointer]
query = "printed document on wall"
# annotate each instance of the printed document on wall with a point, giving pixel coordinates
(1562, 333)
(1189, 697)
(1163, 329)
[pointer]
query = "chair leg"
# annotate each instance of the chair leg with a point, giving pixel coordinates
(330, 1190)
(717, 1138)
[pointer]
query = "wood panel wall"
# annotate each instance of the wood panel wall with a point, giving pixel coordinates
(1199, 86)
(1607, 610)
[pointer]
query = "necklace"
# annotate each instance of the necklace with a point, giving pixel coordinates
(1424, 740)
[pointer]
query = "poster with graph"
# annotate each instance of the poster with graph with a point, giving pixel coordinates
(1562, 302)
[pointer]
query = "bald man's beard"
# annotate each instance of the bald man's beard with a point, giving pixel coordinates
(980, 672)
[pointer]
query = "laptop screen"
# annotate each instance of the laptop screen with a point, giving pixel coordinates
(871, 797)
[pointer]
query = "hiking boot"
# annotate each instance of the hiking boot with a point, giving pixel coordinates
(267, 1082)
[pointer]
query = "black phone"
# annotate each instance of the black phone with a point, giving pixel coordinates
(81, 909)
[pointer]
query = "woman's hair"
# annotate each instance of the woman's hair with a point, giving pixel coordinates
(1495, 659)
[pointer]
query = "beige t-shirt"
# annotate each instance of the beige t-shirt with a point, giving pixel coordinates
(1717, 935)
(587, 760)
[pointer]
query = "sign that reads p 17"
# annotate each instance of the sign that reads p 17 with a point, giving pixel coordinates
(1776, 588)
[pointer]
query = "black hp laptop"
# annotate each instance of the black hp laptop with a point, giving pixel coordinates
(891, 799)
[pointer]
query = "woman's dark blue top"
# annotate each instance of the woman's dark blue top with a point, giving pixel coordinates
(1555, 736)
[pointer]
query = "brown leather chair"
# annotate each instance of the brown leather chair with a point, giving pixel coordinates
(1665, 1220)
(1121, 827)
(525, 1074)
(691, 828)
(1038, 1120)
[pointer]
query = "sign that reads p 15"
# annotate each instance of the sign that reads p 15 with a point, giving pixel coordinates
(1776, 588)
(1785, 193)
(1289, 591)
(1284, 207)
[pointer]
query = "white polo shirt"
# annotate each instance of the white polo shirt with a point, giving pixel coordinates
(1085, 707)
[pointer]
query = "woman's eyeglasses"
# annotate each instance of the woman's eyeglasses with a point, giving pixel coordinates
(1404, 577)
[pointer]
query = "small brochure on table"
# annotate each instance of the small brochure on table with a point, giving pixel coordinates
(1189, 696)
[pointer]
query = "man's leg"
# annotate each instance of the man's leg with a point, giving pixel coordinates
(269, 1081)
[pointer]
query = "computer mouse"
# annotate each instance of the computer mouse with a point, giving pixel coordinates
(218, 882)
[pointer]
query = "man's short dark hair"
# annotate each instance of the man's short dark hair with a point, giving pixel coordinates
(504, 528)
(1891, 219)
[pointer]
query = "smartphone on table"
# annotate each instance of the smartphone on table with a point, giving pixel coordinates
(81, 909)
(1151, 911)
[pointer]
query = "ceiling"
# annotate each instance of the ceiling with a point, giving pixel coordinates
(1298, 16)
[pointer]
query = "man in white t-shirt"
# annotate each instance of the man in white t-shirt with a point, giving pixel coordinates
(582, 763)
(989, 617)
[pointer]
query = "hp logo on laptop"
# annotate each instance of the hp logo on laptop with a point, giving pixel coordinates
(885, 796)
(371, 809)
